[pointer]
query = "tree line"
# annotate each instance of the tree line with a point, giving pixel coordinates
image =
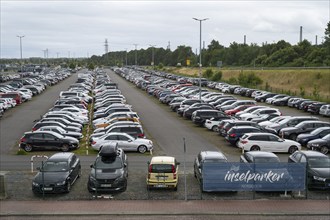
(279, 54)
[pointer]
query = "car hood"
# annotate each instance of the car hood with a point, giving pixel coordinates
(321, 172)
(317, 141)
(302, 136)
(51, 177)
(107, 173)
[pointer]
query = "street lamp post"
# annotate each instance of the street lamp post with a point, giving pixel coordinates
(126, 56)
(200, 52)
(135, 54)
(20, 46)
(153, 56)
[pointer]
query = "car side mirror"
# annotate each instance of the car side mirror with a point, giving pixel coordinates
(91, 166)
(177, 163)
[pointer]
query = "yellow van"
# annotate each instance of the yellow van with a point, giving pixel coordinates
(163, 172)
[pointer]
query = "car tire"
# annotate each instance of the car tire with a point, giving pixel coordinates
(68, 187)
(28, 148)
(142, 149)
(176, 188)
(65, 148)
(292, 149)
(324, 150)
(255, 148)
(215, 128)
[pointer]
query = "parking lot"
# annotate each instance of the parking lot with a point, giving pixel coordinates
(161, 125)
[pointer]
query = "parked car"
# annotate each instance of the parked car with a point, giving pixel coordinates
(267, 142)
(259, 157)
(109, 171)
(318, 168)
(302, 127)
(207, 157)
(47, 140)
(325, 110)
(288, 122)
(58, 173)
(235, 133)
(303, 139)
(314, 108)
(125, 142)
(54, 123)
(199, 116)
(263, 97)
(320, 144)
(163, 172)
(59, 130)
(213, 123)
(258, 113)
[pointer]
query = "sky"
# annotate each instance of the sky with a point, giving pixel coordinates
(78, 28)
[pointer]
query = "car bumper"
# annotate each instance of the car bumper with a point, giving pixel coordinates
(49, 189)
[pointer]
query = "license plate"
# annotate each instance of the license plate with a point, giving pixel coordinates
(160, 186)
(48, 188)
(105, 185)
(162, 178)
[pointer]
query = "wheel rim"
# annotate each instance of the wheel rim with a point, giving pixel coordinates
(28, 148)
(215, 128)
(292, 149)
(324, 150)
(142, 149)
(255, 148)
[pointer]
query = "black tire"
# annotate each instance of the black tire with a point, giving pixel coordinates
(142, 149)
(324, 150)
(176, 188)
(28, 148)
(68, 187)
(292, 149)
(65, 148)
(255, 148)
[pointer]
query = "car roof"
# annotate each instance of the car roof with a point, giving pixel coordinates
(60, 156)
(213, 155)
(260, 133)
(261, 154)
(312, 153)
(162, 160)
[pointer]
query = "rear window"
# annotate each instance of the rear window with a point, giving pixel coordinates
(161, 168)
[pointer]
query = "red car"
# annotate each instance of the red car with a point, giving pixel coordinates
(239, 108)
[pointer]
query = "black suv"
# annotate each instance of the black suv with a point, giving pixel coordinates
(109, 171)
(303, 127)
(200, 116)
(57, 174)
(47, 140)
(235, 133)
(229, 124)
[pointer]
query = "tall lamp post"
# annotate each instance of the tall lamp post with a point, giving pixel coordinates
(126, 56)
(20, 46)
(153, 56)
(200, 52)
(135, 54)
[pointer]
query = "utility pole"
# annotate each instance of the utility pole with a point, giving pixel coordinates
(300, 38)
(106, 50)
(244, 39)
(200, 53)
(126, 57)
(152, 56)
(20, 46)
(135, 54)
(316, 40)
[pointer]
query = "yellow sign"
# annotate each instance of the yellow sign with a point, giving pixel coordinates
(188, 62)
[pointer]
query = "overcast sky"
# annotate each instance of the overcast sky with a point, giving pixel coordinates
(79, 28)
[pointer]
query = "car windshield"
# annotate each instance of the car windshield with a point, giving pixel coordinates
(161, 168)
(55, 166)
(266, 160)
(214, 160)
(108, 163)
(319, 162)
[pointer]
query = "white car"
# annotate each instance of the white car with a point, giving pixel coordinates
(325, 110)
(125, 142)
(212, 124)
(257, 113)
(273, 120)
(267, 142)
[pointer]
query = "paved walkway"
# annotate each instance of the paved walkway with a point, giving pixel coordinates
(169, 207)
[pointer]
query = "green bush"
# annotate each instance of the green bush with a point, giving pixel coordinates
(217, 76)
(208, 73)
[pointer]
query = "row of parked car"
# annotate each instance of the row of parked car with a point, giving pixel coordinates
(257, 130)
(22, 89)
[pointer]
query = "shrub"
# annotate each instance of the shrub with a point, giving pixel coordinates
(217, 76)
(208, 73)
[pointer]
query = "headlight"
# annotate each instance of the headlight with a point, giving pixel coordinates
(119, 179)
(315, 145)
(61, 183)
(35, 184)
(319, 178)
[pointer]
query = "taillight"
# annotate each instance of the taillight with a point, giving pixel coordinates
(94, 142)
(23, 139)
(232, 135)
(173, 171)
(34, 129)
(150, 169)
(244, 142)
(140, 135)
